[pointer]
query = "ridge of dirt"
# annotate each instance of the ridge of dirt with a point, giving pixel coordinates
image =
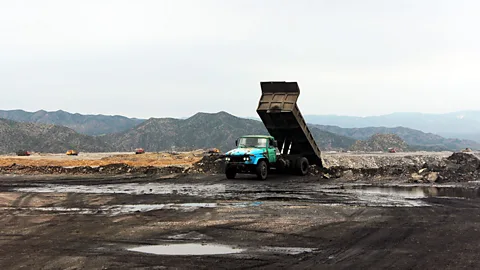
(458, 167)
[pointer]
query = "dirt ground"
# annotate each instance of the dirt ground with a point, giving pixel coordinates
(101, 159)
(286, 222)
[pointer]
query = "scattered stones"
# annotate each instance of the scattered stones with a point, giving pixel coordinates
(417, 177)
(432, 177)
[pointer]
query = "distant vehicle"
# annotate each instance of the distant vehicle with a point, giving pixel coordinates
(72, 153)
(392, 150)
(139, 151)
(23, 153)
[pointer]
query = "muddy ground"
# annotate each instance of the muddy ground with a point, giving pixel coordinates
(401, 211)
(286, 222)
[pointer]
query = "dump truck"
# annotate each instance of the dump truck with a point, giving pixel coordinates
(289, 147)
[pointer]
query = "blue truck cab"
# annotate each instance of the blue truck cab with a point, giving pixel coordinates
(254, 154)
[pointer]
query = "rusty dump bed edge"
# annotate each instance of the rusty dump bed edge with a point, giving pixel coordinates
(280, 114)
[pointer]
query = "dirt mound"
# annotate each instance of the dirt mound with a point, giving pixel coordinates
(363, 173)
(118, 168)
(380, 142)
(210, 164)
(459, 167)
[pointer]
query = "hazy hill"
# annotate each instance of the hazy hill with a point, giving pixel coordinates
(15, 136)
(206, 130)
(412, 137)
(380, 142)
(85, 124)
(202, 130)
(463, 124)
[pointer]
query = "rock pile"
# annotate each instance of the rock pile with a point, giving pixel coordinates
(210, 164)
(459, 167)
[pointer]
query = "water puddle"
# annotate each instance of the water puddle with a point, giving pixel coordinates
(405, 196)
(349, 194)
(187, 249)
(215, 249)
(422, 191)
(114, 210)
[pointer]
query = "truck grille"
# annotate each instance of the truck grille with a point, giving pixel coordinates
(237, 159)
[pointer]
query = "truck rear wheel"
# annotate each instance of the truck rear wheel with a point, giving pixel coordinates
(302, 166)
(230, 172)
(262, 170)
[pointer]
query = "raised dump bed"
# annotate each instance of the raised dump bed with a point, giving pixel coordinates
(289, 147)
(280, 114)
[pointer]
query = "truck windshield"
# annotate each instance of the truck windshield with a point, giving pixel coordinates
(252, 142)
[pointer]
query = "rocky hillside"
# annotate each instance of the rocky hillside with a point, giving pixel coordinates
(16, 136)
(462, 124)
(84, 124)
(380, 142)
(415, 138)
(205, 130)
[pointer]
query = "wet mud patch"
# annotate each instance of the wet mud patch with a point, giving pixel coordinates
(124, 209)
(187, 249)
(401, 196)
(195, 249)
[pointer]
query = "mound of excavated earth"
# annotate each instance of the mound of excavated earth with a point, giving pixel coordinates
(119, 168)
(415, 167)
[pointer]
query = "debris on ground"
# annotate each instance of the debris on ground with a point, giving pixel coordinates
(458, 167)
(119, 168)
(213, 163)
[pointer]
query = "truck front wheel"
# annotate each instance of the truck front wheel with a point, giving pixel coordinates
(262, 170)
(302, 166)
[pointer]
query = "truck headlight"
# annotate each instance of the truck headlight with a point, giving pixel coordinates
(227, 159)
(246, 158)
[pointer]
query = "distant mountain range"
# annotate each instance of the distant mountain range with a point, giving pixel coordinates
(462, 125)
(414, 138)
(16, 136)
(36, 132)
(205, 130)
(85, 124)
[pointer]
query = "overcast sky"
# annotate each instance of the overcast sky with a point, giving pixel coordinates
(174, 58)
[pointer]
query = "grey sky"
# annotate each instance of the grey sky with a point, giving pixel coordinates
(175, 58)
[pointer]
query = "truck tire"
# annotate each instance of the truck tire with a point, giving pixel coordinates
(302, 166)
(262, 170)
(230, 172)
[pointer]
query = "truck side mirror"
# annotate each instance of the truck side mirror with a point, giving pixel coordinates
(275, 143)
(236, 142)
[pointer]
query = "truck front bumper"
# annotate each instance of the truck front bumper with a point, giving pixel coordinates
(240, 167)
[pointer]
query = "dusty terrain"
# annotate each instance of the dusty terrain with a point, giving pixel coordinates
(198, 219)
(101, 159)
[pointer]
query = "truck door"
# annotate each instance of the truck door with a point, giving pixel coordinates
(272, 152)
